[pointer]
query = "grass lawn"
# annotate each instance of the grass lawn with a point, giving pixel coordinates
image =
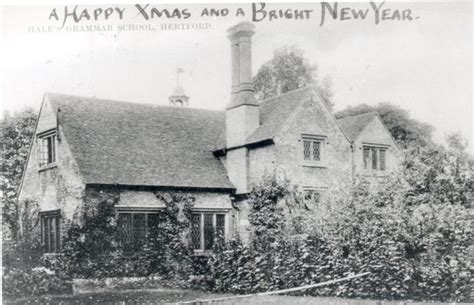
(157, 296)
(148, 296)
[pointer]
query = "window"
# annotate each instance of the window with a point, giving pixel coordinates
(50, 231)
(374, 158)
(205, 227)
(47, 148)
(208, 231)
(313, 196)
(382, 159)
(366, 157)
(137, 228)
(196, 231)
(312, 149)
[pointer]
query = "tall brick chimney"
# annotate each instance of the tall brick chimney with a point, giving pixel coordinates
(242, 113)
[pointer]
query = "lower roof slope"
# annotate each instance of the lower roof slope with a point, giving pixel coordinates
(275, 111)
(352, 126)
(136, 144)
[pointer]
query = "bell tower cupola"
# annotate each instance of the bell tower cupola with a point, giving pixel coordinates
(178, 97)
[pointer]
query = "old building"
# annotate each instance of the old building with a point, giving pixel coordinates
(84, 144)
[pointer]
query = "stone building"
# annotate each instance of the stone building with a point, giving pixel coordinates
(136, 150)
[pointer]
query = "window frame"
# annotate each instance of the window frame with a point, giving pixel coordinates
(201, 250)
(46, 224)
(132, 212)
(312, 139)
(47, 148)
(312, 191)
(202, 241)
(370, 164)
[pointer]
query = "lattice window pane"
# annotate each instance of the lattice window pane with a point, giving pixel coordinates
(53, 235)
(307, 149)
(366, 157)
(49, 147)
(220, 225)
(125, 225)
(208, 231)
(52, 149)
(139, 231)
(50, 233)
(153, 221)
(316, 150)
(47, 247)
(382, 159)
(46, 150)
(196, 231)
(41, 152)
(58, 233)
(374, 159)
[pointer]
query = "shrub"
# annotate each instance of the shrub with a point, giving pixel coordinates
(170, 253)
(21, 255)
(412, 251)
(18, 283)
(90, 246)
(271, 261)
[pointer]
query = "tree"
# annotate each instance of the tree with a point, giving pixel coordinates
(404, 129)
(15, 138)
(289, 70)
(439, 175)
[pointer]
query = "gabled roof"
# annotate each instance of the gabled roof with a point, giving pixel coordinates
(275, 111)
(352, 126)
(137, 144)
(273, 114)
(148, 145)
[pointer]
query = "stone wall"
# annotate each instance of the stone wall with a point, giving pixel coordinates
(285, 157)
(376, 133)
(57, 185)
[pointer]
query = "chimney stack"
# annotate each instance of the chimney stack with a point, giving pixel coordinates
(242, 113)
(240, 37)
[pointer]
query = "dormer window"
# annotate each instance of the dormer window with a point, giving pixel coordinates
(46, 148)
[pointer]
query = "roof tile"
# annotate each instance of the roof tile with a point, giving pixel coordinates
(352, 126)
(138, 144)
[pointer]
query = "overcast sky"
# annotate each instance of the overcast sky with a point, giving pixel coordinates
(424, 65)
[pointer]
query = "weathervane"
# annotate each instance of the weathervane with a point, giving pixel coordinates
(178, 70)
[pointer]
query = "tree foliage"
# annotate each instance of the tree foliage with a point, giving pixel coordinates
(16, 132)
(289, 70)
(411, 230)
(437, 174)
(404, 129)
